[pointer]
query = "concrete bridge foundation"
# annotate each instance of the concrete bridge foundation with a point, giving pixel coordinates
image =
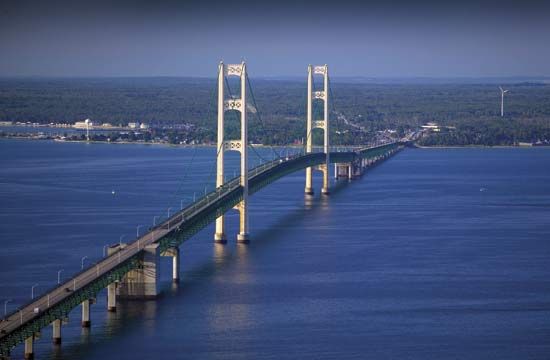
(144, 282)
(111, 288)
(341, 170)
(325, 189)
(174, 253)
(56, 331)
(86, 323)
(111, 297)
(29, 348)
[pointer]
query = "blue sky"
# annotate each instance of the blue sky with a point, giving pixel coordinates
(277, 38)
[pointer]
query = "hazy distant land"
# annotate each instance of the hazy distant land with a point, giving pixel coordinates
(362, 107)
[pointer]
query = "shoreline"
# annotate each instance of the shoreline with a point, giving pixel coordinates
(261, 145)
(21, 138)
(479, 146)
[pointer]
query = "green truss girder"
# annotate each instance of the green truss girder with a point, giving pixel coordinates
(63, 308)
(234, 196)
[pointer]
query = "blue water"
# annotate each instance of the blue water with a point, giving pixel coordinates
(435, 254)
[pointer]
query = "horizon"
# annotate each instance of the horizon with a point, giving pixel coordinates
(347, 80)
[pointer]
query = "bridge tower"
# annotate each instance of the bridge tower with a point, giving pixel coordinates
(241, 146)
(321, 124)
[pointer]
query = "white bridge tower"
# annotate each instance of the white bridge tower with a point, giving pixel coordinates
(241, 145)
(321, 124)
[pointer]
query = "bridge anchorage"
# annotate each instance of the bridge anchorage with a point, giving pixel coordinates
(323, 124)
(132, 270)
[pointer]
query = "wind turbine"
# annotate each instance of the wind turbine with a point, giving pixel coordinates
(502, 92)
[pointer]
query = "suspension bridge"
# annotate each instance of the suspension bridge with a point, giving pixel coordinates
(131, 270)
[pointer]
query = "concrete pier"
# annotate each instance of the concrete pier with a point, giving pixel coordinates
(176, 267)
(86, 323)
(111, 297)
(242, 236)
(325, 189)
(174, 253)
(220, 238)
(29, 348)
(341, 170)
(56, 331)
(111, 288)
(144, 282)
(326, 180)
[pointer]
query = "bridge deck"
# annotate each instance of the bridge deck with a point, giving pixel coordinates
(57, 302)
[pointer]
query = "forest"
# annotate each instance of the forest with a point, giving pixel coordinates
(277, 107)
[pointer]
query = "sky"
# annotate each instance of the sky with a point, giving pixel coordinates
(426, 38)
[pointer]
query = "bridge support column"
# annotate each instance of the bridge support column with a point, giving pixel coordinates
(321, 124)
(240, 145)
(242, 237)
(309, 182)
(309, 128)
(350, 171)
(56, 332)
(219, 235)
(111, 288)
(86, 323)
(326, 180)
(342, 170)
(29, 348)
(111, 297)
(174, 253)
(176, 267)
(143, 283)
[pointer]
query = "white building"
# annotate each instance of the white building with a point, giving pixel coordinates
(86, 124)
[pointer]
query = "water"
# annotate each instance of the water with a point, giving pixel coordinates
(435, 254)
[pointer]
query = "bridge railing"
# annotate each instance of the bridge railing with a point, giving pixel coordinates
(68, 283)
(57, 293)
(215, 194)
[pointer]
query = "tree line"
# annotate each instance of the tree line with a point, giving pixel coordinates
(472, 108)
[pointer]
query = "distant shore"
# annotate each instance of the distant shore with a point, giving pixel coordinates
(479, 146)
(34, 138)
(37, 138)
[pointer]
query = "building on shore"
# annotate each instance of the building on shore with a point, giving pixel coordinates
(434, 127)
(86, 124)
